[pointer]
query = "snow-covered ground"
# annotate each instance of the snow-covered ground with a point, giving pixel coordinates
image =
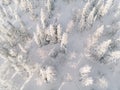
(59, 44)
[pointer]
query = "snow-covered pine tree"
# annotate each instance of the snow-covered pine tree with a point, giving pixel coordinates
(45, 75)
(43, 18)
(104, 9)
(50, 5)
(90, 18)
(112, 58)
(84, 16)
(59, 32)
(40, 36)
(95, 36)
(99, 51)
(53, 33)
(98, 6)
(64, 41)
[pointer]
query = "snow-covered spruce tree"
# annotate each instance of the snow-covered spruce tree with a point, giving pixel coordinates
(99, 51)
(96, 35)
(84, 16)
(50, 5)
(64, 42)
(43, 18)
(53, 34)
(45, 75)
(91, 17)
(106, 7)
(40, 36)
(59, 32)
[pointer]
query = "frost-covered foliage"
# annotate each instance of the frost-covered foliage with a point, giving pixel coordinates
(45, 75)
(59, 44)
(84, 75)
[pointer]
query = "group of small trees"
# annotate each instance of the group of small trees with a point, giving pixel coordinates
(47, 33)
(105, 52)
(91, 11)
(14, 40)
(52, 35)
